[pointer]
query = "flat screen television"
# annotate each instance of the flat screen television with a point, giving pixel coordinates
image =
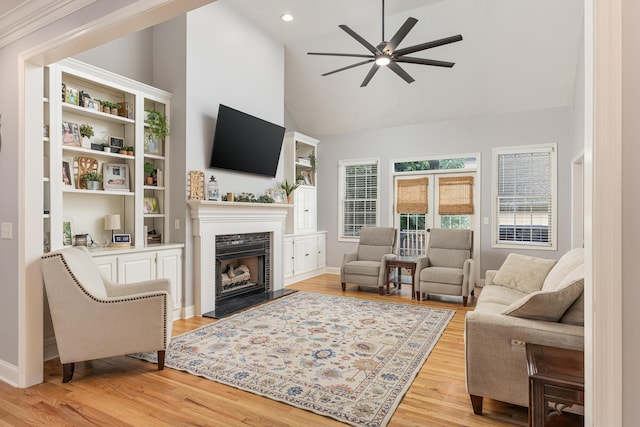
(246, 143)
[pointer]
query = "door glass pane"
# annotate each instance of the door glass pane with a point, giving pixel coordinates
(455, 221)
(412, 235)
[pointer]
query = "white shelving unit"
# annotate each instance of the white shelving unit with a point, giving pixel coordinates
(304, 245)
(83, 209)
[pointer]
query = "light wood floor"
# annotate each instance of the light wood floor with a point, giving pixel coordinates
(123, 391)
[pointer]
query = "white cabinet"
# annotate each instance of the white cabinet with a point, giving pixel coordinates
(305, 210)
(288, 257)
(136, 265)
(308, 256)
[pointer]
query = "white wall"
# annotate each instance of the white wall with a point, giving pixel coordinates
(130, 56)
(447, 137)
(630, 209)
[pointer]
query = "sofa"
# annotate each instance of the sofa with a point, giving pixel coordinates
(528, 299)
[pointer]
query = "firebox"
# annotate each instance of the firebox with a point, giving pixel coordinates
(242, 265)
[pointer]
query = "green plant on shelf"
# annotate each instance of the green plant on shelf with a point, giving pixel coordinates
(157, 124)
(287, 187)
(91, 176)
(86, 130)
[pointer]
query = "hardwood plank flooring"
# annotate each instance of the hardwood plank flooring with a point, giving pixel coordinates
(123, 391)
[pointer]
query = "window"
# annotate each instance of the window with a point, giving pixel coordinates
(525, 197)
(358, 196)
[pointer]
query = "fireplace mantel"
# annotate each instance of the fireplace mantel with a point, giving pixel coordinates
(214, 218)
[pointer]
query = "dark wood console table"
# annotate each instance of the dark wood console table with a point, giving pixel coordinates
(556, 376)
(399, 263)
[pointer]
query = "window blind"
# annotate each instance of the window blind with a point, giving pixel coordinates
(455, 195)
(412, 196)
(525, 197)
(360, 198)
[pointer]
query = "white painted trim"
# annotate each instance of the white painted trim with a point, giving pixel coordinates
(32, 15)
(332, 270)
(577, 201)
(603, 211)
(341, 169)
(308, 275)
(9, 373)
(189, 312)
(50, 348)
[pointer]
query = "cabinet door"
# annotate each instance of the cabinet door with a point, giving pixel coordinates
(136, 267)
(288, 257)
(301, 209)
(108, 267)
(322, 254)
(300, 254)
(169, 266)
(311, 262)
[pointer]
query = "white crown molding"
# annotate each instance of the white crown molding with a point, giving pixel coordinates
(31, 15)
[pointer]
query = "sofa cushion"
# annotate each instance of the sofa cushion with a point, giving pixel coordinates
(362, 268)
(522, 272)
(575, 314)
(499, 295)
(452, 276)
(565, 265)
(549, 305)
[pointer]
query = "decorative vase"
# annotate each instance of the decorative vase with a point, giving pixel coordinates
(289, 199)
(106, 148)
(92, 185)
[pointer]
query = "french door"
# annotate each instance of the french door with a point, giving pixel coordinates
(413, 222)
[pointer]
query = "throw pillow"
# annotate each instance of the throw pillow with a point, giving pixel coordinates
(524, 273)
(549, 305)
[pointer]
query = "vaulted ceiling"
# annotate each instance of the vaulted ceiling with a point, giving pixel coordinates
(517, 55)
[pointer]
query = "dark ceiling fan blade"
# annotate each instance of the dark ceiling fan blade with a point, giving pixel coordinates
(370, 74)
(350, 55)
(348, 66)
(400, 35)
(362, 41)
(427, 45)
(399, 71)
(435, 63)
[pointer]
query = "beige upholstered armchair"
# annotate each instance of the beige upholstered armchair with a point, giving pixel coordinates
(448, 268)
(95, 318)
(367, 266)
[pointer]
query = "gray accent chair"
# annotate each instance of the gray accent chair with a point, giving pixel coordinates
(448, 267)
(94, 318)
(367, 266)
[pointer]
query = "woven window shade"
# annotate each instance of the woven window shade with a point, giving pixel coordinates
(456, 195)
(412, 196)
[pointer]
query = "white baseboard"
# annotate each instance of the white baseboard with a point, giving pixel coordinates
(308, 275)
(332, 270)
(188, 312)
(9, 373)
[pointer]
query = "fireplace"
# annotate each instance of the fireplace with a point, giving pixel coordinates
(213, 219)
(242, 265)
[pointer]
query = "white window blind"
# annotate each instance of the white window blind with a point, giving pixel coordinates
(525, 196)
(359, 196)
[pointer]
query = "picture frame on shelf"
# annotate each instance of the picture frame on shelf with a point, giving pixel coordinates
(278, 195)
(152, 144)
(70, 134)
(115, 177)
(151, 205)
(67, 173)
(307, 177)
(116, 141)
(71, 95)
(91, 104)
(67, 239)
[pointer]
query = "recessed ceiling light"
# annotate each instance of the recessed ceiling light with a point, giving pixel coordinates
(286, 17)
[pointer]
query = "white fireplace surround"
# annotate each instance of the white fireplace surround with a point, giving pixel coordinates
(214, 218)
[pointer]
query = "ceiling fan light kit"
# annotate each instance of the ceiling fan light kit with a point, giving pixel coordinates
(387, 54)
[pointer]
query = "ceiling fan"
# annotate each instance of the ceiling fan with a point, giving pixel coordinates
(387, 54)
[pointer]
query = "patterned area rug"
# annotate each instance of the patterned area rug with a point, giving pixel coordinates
(347, 358)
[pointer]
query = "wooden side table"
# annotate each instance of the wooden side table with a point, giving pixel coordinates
(556, 376)
(399, 263)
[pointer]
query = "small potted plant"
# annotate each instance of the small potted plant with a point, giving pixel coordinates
(106, 147)
(114, 108)
(86, 132)
(300, 179)
(288, 189)
(130, 151)
(92, 179)
(148, 170)
(156, 125)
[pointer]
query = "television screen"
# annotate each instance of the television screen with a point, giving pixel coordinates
(246, 143)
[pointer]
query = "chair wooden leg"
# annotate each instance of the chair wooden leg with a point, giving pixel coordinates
(160, 360)
(476, 403)
(67, 371)
(344, 286)
(464, 301)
